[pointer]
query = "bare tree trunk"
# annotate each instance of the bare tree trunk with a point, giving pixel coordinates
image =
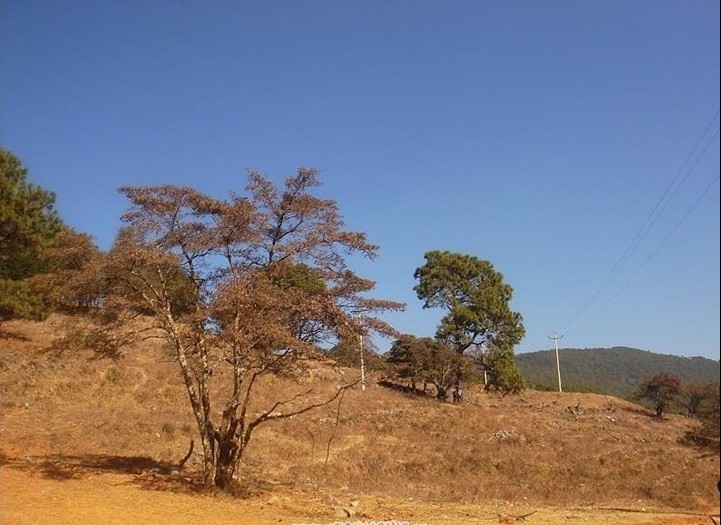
(225, 464)
(199, 403)
(442, 392)
(208, 459)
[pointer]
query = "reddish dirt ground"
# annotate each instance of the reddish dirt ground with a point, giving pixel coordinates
(31, 498)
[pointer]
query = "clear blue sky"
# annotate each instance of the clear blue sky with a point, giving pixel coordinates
(538, 135)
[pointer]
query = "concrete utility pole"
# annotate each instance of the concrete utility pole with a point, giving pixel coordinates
(485, 370)
(363, 366)
(558, 365)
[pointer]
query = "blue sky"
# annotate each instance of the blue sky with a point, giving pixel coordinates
(550, 138)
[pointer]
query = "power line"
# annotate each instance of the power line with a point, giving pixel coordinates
(667, 237)
(662, 243)
(652, 217)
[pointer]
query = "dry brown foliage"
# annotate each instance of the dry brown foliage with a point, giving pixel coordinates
(79, 415)
(237, 289)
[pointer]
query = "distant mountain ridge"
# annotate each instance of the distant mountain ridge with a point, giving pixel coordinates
(617, 370)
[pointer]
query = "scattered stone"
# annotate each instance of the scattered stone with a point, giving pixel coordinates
(342, 512)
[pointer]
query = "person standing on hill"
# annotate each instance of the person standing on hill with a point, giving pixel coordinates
(457, 394)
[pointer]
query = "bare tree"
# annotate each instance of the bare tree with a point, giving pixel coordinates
(238, 288)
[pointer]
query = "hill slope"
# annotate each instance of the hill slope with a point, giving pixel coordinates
(617, 371)
(72, 418)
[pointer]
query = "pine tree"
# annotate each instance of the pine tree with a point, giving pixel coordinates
(28, 225)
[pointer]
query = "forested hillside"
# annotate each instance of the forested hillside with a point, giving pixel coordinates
(617, 370)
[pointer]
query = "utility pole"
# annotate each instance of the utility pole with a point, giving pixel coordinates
(484, 358)
(558, 365)
(363, 366)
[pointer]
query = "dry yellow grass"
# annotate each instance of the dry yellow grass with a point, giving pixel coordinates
(73, 426)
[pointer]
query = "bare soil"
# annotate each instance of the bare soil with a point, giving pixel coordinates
(84, 441)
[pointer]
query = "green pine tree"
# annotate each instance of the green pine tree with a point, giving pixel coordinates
(28, 225)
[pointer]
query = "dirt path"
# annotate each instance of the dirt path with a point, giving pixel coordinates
(32, 498)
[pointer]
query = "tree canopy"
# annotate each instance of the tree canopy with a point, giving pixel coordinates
(72, 281)
(238, 288)
(429, 361)
(662, 390)
(479, 321)
(28, 225)
(476, 297)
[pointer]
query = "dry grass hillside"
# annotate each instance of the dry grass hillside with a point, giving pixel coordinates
(72, 424)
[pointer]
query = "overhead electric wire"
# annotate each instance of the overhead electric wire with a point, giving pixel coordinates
(652, 217)
(668, 235)
(661, 244)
